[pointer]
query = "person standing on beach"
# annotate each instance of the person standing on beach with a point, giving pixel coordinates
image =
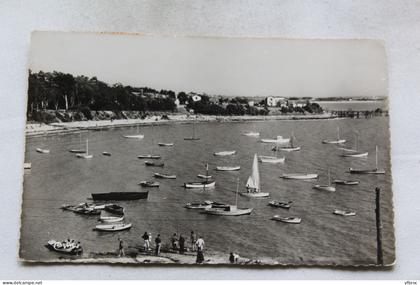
(181, 244)
(200, 248)
(193, 238)
(174, 241)
(146, 241)
(158, 242)
(120, 248)
(150, 241)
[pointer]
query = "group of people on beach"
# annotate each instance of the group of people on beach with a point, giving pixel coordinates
(178, 244)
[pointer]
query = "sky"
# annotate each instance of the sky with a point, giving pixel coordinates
(218, 66)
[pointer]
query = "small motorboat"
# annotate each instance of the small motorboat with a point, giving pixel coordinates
(288, 220)
(164, 175)
(199, 206)
(344, 213)
(138, 137)
(354, 154)
(279, 204)
(271, 159)
(111, 219)
(148, 156)
(155, 164)
(228, 210)
(165, 144)
(203, 176)
(106, 153)
(299, 176)
(278, 140)
(225, 153)
(77, 151)
(113, 227)
(346, 182)
(27, 165)
(149, 183)
(252, 134)
(114, 209)
(228, 168)
(68, 247)
(202, 185)
(44, 151)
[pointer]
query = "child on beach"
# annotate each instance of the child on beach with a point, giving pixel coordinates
(120, 248)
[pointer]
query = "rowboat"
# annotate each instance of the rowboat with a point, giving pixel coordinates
(228, 168)
(290, 147)
(204, 205)
(164, 175)
(354, 152)
(204, 184)
(85, 155)
(326, 187)
(114, 209)
(252, 134)
(148, 156)
(203, 176)
(336, 141)
(344, 213)
(106, 153)
(156, 164)
(149, 183)
(278, 140)
(279, 204)
(111, 219)
(271, 159)
(44, 151)
(289, 220)
(253, 185)
(346, 182)
(299, 176)
(27, 165)
(165, 144)
(375, 170)
(120, 196)
(225, 153)
(113, 227)
(68, 247)
(77, 151)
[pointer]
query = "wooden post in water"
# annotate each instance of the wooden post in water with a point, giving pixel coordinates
(380, 260)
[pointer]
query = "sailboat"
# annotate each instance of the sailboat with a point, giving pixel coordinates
(78, 150)
(137, 136)
(86, 154)
(272, 159)
(337, 141)
(202, 184)
(229, 210)
(193, 138)
(290, 147)
(277, 140)
(253, 184)
(252, 133)
(354, 152)
(326, 187)
(376, 170)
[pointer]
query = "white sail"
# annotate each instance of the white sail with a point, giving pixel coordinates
(254, 180)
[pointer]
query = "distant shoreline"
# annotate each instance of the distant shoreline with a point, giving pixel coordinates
(40, 129)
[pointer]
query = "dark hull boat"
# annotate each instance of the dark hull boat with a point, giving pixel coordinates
(155, 164)
(77, 151)
(120, 196)
(114, 209)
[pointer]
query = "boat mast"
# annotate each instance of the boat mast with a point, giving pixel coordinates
(376, 157)
(329, 177)
(338, 133)
(87, 146)
(237, 189)
(207, 172)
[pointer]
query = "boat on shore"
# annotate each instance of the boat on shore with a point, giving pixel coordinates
(165, 175)
(149, 183)
(327, 187)
(299, 176)
(155, 164)
(278, 140)
(375, 170)
(113, 227)
(253, 185)
(279, 204)
(67, 247)
(42, 150)
(85, 155)
(336, 141)
(225, 153)
(228, 168)
(344, 213)
(148, 156)
(111, 219)
(346, 182)
(288, 220)
(165, 144)
(120, 196)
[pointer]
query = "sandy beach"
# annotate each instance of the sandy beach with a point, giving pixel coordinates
(39, 129)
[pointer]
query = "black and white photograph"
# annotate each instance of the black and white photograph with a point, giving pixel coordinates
(147, 149)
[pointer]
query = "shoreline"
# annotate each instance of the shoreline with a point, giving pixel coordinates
(41, 129)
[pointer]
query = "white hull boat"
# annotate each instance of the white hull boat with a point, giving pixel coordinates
(148, 156)
(289, 148)
(278, 140)
(225, 153)
(166, 176)
(337, 141)
(230, 210)
(228, 168)
(255, 194)
(252, 134)
(138, 137)
(43, 151)
(279, 204)
(203, 176)
(344, 213)
(354, 154)
(271, 159)
(27, 165)
(253, 184)
(200, 185)
(299, 176)
(324, 187)
(288, 220)
(375, 170)
(111, 219)
(64, 247)
(113, 227)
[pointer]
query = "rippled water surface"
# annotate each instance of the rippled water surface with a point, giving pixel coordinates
(60, 178)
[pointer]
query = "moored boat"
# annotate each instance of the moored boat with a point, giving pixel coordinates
(165, 144)
(288, 148)
(271, 159)
(336, 141)
(77, 151)
(156, 164)
(120, 196)
(165, 175)
(27, 165)
(354, 152)
(199, 206)
(114, 209)
(299, 176)
(43, 151)
(203, 176)
(86, 154)
(113, 227)
(375, 170)
(288, 220)
(111, 219)
(328, 187)
(135, 136)
(278, 140)
(228, 168)
(346, 182)
(344, 213)
(252, 134)
(106, 153)
(253, 185)
(203, 184)
(279, 204)
(148, 156)
(225, 153)
(149, 183)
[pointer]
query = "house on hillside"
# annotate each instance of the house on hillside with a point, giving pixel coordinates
(275, 101)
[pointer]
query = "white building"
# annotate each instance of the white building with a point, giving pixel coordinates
(275, 101)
